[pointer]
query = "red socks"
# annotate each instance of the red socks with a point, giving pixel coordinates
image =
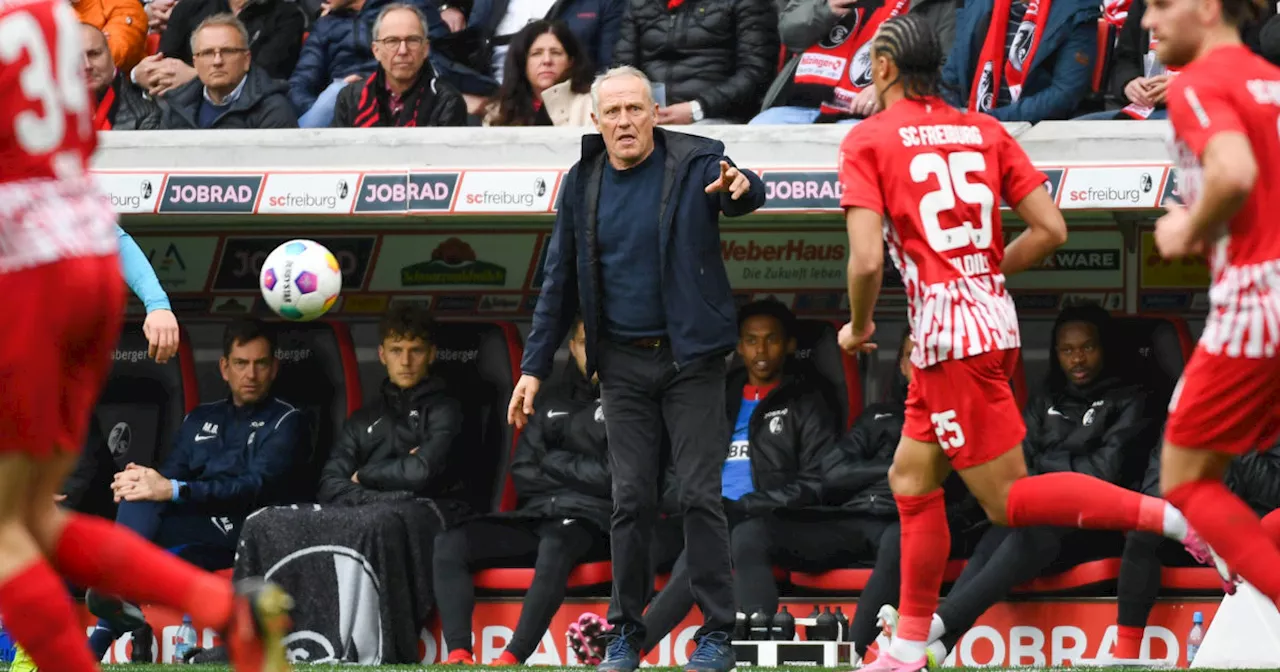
(926, 543)
(96, 553)
(1068, 499)
(1271, 523)
(1128, 642)
(1233, 530)
(38, 613)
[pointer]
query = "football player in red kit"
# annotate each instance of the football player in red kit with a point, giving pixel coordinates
(931, 177)
(64, 301)
(1225, 110)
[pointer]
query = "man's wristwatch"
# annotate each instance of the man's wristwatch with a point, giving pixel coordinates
(696, 108)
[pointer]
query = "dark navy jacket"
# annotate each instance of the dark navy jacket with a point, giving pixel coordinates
(594, 22)
(340, 44)
(1060, 75)
(238, 459)
(701, 318)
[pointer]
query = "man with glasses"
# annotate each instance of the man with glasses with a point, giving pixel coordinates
(230, 458)
(227, 92)
(405, 90)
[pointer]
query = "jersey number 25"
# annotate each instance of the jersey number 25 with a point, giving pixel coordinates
(53, 79)
(952, 173)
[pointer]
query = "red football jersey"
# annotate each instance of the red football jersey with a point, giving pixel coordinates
(50, 208)
(937, 174)
(1231, 89)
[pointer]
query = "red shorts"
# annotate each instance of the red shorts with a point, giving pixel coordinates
(1227, 404)
(61, 324)
(967, 407)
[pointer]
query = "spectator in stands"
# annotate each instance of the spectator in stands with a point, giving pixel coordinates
(273, 35)
(1138, 80)
(561, 474)
(229, 458)
(339, 51)
(119, 104)
(123, 22)
(783, 430)
(553, 87)
(1089, 418)
(228, 93)
(821, 32)
(1255, 478)
(1036, 64)
(594, 23)
(404, 91)
(658, 322)
(857, 481)
(415, 449)
(726, 56)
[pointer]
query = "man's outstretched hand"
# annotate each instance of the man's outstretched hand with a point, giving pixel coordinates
(521, 406)
(731, 180)
(854, 343)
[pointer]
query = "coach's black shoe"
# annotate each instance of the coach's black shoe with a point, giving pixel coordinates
(120, 615)
(142, 645)
(714, 654)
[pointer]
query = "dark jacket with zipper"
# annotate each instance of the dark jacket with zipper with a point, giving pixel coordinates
(594, 22)
(1096, 430)
(275, 31)
(132, 111)
(790, 433)
(561, 465)
(444, 104)
(263, 103)
(408, 444)
(1058, 77)
(721, 53)
(856, 476)
(1254, 477)
(698, 302)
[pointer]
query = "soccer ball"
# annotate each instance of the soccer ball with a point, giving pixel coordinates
(300, 280)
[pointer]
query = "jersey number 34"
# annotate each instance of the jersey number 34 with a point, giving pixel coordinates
(52, 79)
(952, 173)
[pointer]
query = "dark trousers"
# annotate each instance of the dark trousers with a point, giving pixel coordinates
(885, 582)
(553, 547)
(1139, 583)
(647, 398)
(757, 545)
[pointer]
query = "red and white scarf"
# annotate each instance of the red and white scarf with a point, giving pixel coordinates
(841, 61)
(1012, 63)
(1116, 11)
(102, 113)
(1135, 110)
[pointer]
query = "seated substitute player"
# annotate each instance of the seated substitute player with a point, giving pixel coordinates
(59, 261)
(1224, 108)
(784, 427)
(937, 174)
(230, 457)
(561, 474)
(1088, 418)
(1254, 478)
(407, 444)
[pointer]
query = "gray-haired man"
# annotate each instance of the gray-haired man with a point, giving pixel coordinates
(636, 249)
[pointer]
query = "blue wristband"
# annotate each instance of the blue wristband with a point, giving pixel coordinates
(176, 486)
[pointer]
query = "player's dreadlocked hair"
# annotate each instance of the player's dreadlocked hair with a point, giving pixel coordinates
(909, 42)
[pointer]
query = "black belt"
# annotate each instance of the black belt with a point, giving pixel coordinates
(650, 343)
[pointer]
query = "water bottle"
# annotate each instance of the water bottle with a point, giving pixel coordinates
(811, 631)
(1196, 636)
(827, 625)
(760, 623)
(185, 640)
(842, 624)
(784, 626)
(740, 627)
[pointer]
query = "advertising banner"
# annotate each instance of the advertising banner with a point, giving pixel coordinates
(814, 259)
(309, 193)
(1160, 273)
(484, 261)
(805, 190)
(181, 262)
(242, 257)
(1119, 187)
(211, 194)
(1089, 260)
(507, 191)
(131, 193)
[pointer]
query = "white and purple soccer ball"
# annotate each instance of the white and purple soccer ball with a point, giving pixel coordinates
(301, 280)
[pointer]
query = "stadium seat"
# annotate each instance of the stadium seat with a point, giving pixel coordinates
(1163, 345)
(319, 375)
(853, 580)
(518, 579)
(816, 342)
(143, 403)
(1085, 574)
(481, 361)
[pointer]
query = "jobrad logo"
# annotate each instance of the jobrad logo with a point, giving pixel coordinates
(211, 193)
(812, 190)
(417, 192)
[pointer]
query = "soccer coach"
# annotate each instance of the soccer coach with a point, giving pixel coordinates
(636, 251)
